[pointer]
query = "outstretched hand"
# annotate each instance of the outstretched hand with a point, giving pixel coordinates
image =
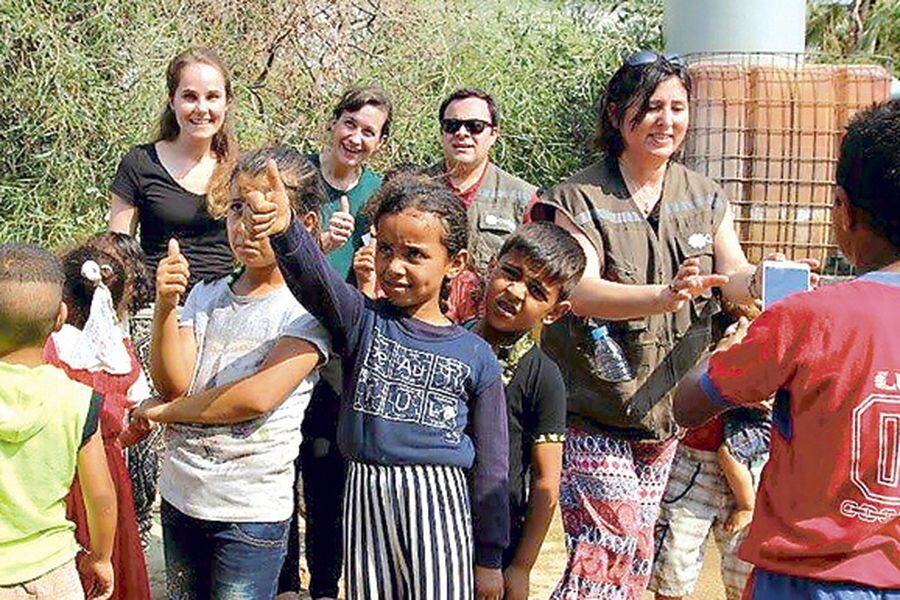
(270, 213)
(688, 284)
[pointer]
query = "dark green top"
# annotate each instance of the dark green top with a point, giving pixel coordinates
(341, 259)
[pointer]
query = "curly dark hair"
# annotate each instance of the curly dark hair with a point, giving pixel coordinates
(138, 291)
(631, 86)
(405, 170)
(412, 191)
(869, 167)
(78, 291)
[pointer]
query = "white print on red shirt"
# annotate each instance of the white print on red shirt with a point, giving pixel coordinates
(867, 513)
(876, 437)
(882, 379)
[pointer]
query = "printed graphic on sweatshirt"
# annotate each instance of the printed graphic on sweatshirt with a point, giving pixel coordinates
(412, 386)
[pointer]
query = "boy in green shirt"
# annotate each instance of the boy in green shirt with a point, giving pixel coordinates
(49, 430)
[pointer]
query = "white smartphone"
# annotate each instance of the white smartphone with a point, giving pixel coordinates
(781, 279)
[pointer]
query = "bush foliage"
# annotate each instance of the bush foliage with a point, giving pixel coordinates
(82, 81)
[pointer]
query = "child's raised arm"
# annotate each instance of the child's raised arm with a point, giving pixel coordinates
(287, 364)
(100, 505)
(173, 351)
(334, 302)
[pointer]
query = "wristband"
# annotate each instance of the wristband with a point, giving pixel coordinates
(753, 285)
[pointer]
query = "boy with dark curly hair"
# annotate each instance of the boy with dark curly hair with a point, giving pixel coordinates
(827, 518)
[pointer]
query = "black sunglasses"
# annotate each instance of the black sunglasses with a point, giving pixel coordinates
(648, 57)
(473, 126)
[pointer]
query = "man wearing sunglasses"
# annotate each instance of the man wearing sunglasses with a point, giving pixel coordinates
(495, 200)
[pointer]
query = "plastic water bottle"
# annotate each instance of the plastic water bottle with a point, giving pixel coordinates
(609, 359)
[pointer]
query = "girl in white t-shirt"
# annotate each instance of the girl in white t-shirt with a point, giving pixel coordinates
(237, 366)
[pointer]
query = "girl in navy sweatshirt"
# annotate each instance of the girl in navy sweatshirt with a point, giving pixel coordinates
(422, 401)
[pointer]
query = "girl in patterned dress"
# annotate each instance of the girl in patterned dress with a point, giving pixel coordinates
(94, 350)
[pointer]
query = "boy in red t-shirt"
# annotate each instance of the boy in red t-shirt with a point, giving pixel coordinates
(827, 518)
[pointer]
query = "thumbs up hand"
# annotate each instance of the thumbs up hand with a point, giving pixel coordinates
(364, 266)
(172, 277)
(269, 213)
(340, 226)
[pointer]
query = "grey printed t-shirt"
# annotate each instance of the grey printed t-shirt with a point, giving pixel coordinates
(242, 472)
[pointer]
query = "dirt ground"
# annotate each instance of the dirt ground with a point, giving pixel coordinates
(544, 577)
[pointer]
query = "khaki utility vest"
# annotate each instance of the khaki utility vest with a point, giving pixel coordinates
(661, 348)
(496, 212)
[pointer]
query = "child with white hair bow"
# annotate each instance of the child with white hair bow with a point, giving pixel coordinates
(93, 348)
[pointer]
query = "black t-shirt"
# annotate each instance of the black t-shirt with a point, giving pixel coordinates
(536, 403)
(166, 210)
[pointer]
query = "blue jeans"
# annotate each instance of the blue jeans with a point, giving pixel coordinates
(220, 559)
(767, 585)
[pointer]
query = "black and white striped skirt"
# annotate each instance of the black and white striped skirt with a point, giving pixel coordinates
(407, 533)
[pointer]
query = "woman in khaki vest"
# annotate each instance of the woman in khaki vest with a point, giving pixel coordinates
(657, 237)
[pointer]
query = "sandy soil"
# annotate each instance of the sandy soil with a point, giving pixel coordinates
(544, 577)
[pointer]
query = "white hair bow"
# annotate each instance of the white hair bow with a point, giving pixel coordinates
(99, 345)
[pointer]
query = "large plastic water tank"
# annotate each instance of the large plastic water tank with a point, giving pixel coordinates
(735, 26)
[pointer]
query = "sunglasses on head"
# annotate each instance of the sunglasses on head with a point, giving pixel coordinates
(473, 126)
(648, 57)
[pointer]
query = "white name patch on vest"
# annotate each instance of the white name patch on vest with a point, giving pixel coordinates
(699, 240)
(495, 221)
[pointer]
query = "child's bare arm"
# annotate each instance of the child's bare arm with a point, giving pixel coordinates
(546, 470)
(287, 364)
(693, 406)
(173, 350)
(740, 481)
(100, 504)
(172, 356)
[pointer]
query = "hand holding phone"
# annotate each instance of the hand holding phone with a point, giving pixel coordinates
(783, 278)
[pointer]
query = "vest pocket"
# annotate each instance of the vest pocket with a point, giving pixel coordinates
(493, 225)
(499, 222)
(699, 246)
(589, 396)
(620, 271)
(688, 248)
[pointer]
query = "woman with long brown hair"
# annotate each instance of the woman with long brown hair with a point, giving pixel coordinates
(162, 186)
(160, 189)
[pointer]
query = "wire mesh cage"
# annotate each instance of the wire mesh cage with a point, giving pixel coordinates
(767, 127)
